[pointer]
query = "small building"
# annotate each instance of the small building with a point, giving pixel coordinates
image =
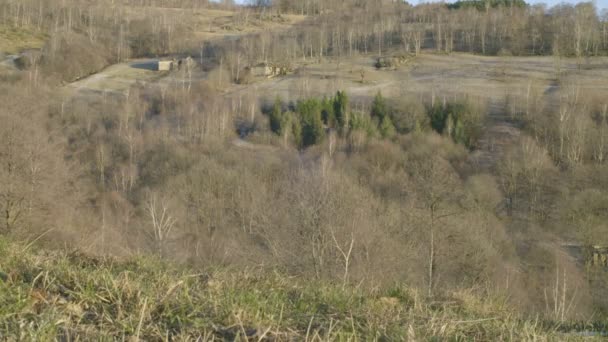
(166, 65)
(599, 256)
(596, 256)
(269, 70)
(392, 62)
(187, 64)
(261, 70)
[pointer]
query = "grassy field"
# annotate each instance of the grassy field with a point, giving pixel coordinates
(488, 77)
(69, 296)
(14, 40)
(119, 77)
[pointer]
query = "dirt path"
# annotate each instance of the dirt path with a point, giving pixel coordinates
(116, 78)
(500, 134)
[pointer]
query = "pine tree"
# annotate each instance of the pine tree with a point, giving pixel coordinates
(340, 109)
(313, 130)
(387, 129)
(379, 108)
(328, 113)
(276, 117)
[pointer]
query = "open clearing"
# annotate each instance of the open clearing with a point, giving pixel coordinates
(487, 78)
(490, 79)
(119, 77)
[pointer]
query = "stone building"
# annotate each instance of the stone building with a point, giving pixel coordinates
(167, 65)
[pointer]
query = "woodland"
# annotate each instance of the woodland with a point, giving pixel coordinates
(214, 169)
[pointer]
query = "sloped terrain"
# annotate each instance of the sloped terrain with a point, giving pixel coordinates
(70, 296)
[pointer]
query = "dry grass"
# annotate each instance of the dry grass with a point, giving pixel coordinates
(70, 296)
(458, 73)
(14, 40)
(119, 77)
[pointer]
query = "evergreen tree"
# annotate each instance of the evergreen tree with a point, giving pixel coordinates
(379, 108)
(439, 117)
(286, 125)
(460, 135)
(340, 108)
(387, 129)
(456, 121)
(276, 117)
(362, 122)
(327, 112)
(313, 131)
(296, 130)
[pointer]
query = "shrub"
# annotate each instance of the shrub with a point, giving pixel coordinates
(409, 115)
(276, 116)
(363, 122)
(328, 113)
(459, 120)
(340, 103)
(313, 131)
(379, 107)
(387, 130)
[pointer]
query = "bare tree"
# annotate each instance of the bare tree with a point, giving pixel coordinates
(346, 253)
(436, 183)
(600, 149)
(162, 221)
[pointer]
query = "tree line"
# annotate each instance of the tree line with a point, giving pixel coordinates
(113, 33)
(307, 121)
(486, 27)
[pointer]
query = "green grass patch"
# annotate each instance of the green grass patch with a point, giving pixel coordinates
(14, 40)
(68, 295)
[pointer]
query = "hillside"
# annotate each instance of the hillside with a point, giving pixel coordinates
(303, 170)
(68, 296)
